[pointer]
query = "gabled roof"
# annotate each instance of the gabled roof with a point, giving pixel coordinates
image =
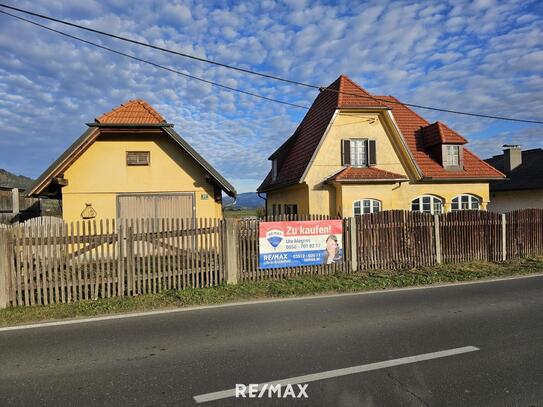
(528, 175)
(135, 111)
(438, 133)
(366, 174)
(410, 124)
(294, 156)
(135, 114)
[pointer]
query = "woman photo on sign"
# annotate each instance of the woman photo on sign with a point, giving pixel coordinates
(333, 253)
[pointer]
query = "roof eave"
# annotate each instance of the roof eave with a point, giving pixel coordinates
(370, 181)
(457, 179)
(130, 125)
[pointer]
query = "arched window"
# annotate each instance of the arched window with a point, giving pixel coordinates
(465, 202)
(366, 206)
(427, 204)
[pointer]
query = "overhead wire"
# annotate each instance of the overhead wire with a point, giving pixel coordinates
(154, 64)
(249, 71)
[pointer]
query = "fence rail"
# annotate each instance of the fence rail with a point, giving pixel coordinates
(57, 262)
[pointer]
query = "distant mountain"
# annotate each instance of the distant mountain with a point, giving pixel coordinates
(9, 180)
(246, 200)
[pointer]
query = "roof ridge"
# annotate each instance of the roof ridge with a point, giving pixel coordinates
(126, 111)
(150, 109)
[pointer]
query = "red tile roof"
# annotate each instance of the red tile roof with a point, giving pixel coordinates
(410, 124)
(365, 173)
(438, 133)
(136, 111)
(295, 154)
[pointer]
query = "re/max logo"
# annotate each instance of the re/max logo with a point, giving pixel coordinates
(271, 390)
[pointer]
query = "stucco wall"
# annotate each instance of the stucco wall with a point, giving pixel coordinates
(333, 200)
(512, 200)
(100, 173)
(294, 195)
(399, 196)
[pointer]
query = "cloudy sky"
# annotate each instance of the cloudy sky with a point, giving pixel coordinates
(483, 56)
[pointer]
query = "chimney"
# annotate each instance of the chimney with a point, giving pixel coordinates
(512, 157)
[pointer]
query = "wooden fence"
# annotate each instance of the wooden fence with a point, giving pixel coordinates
(88, 260)
(57, 263)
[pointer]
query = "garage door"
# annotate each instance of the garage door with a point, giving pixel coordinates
(155, 206)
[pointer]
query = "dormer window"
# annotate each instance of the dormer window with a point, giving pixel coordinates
(452, 156)
(358, 152)
(274, 169)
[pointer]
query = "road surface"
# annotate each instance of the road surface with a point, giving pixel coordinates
(177, 359)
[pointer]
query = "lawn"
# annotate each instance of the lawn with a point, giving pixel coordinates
(308, 285)
(243, 213)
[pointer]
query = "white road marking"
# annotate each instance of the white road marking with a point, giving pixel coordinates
(202, 398)
(255, 302)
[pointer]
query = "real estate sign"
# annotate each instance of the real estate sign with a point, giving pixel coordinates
(300, 243)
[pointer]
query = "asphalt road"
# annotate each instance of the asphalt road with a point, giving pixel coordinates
(168, 359)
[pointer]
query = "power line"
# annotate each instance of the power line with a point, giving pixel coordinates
(264, 75)
(155, 64)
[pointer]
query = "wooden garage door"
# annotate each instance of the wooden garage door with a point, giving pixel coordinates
(155, 206)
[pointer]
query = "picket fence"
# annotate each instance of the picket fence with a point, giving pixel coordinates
(57, 263)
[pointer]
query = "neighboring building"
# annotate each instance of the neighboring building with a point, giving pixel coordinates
(355, 153)
(130, 163)
(523, 187)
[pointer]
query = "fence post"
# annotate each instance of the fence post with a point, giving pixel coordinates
(5, 252)
(120, 260)
(437, 237)
(15, 206)
(354, 244)
(504, 238)
(130, 260)
(232, 236)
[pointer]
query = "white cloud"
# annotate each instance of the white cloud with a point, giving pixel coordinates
(483, 56)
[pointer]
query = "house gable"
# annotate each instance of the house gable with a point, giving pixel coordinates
(405, 129)
(144, 121)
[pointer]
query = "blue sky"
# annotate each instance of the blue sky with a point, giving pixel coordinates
(483, 56)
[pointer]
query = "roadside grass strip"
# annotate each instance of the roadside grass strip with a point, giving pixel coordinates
(273, 289)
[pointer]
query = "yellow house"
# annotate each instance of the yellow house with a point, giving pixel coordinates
(130, 163)
(356, 153)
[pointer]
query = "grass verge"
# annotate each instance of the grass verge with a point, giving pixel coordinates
(309, 285)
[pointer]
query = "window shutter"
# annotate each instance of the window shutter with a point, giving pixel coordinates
(372, 159)
(345, 152)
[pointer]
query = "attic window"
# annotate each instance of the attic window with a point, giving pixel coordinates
(358, 152)
(137, 158)
(451, 156)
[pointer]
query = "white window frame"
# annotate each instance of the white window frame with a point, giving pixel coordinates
(434, 202)
(452, 155)
(359, 152)
(366, 205)
(465, 202)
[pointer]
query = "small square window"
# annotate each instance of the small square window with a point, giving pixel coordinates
(137, 158)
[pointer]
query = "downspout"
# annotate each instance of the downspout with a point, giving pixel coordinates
(265, 205)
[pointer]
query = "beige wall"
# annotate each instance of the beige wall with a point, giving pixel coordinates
(100, 173)
(399, 196)
(511, 200)
(293, 195)
(333, 200)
